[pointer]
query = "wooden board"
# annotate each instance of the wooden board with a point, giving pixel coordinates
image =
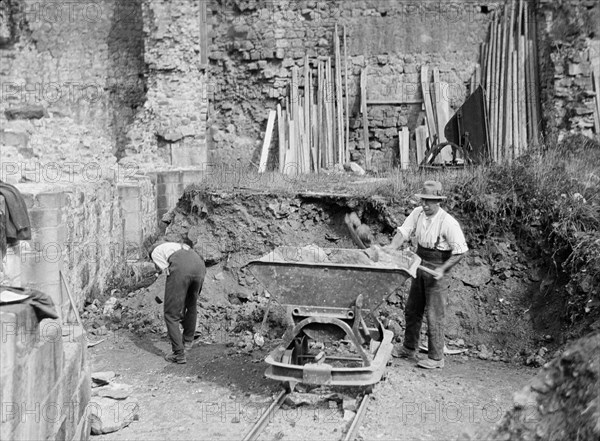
(421, 142)
(281, 138)
(365, 119)
(347, 121)
(264, 156)
(428, 105)
(403, 143)
(442, 112)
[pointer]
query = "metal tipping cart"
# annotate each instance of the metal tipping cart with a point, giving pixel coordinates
(333, 337)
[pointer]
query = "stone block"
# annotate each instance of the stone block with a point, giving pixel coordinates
(168, 177)
(15, 139)
(41, 266)
(51, 200)
(42, 238)
(45, 217)
(26, 112)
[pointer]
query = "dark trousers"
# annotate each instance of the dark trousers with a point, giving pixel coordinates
(424, 292)
(184, 283)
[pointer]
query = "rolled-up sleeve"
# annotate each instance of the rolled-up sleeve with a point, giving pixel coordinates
(455, 238)
(410, 223)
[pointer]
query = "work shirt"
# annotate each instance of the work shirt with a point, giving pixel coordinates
(438, 232)
(160, 255)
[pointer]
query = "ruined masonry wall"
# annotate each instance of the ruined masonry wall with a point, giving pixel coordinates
(569, 51)
(255, 44)
(88, 231)
(44, 378)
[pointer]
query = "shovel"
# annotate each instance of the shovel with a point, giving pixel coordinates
(408, 259)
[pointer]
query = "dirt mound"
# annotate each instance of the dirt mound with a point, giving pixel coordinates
(561, 402)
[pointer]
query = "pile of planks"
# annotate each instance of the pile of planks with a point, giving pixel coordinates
(313, 127)
(509, 75)
(436, 101)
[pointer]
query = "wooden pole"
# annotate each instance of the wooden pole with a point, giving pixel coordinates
(431, 126)
(536, 78)
(331, 144)
(497, 99)
(365, 120)
(488, 81)
(281, 138)
(347, 122)
(521, 95)
(339, 99)
(509, 82)
(264, 156)
(306, 116)
(528, 77)
(514, 105)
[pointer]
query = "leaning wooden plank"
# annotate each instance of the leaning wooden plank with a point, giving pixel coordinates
(596, 82)
(442, 112)
(306, 117)
(528, 77)
(291, 161)
(281, 138)
(536, 76)
(497, 98)
(300, 144)
(331, 139)
(347, 121)
(492, 85)
(428, 106)
(421, 141)
(403, 142)
(264, 155)
(338, 98)
(515, 105)
(365, 119)
(521, 96)
(320, 116)
(594, 58)
(315, 138)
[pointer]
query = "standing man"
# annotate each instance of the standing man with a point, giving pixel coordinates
(185, 271)
(441, 245)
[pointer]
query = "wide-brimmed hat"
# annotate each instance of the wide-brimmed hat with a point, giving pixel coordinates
(431, 190)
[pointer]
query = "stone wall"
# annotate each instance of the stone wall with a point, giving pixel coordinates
(79, 60)
(569, 47)
(170, 130)
(255, 44)
(44, 377)
(88, 231)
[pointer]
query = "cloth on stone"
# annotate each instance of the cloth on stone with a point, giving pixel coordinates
(18, 226)
(41, 303)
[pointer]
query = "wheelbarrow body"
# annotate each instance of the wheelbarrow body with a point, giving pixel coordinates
(333, 337)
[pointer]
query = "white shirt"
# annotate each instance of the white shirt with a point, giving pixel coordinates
(160, 255)
(440, 231)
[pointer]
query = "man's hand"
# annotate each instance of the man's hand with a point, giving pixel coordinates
(440, 273)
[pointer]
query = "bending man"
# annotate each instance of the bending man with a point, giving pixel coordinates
(185, 271)
(441, 245)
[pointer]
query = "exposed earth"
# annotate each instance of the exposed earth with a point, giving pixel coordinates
(498, 314)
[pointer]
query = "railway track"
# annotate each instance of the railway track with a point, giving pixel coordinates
(262, 423)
